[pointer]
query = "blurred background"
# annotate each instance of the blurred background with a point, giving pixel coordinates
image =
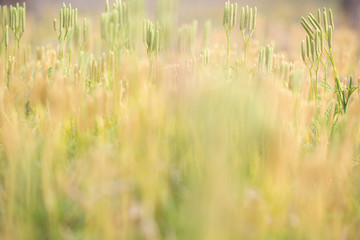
(278, 19)
(191, 8)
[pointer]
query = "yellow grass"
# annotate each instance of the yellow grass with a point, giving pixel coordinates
(189, 154)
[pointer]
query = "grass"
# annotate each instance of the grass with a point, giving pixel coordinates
(128, 139)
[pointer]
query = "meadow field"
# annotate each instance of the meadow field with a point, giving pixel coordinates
(118, 127)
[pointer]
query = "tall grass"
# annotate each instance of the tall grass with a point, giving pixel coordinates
(91, 150)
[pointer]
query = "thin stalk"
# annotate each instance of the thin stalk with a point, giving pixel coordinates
(310, 68)
(6, 67)
(325, 74)
(316, 78)
(331, 56)
(227, 53)
(246, 44)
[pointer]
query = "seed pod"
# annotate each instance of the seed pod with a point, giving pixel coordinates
(5, 11)
(150, 36)
(254, 18)
(307, 28)
(269, 55)
(312, 45)
(76, 17)
(242, 19)
(314, 22)
(24, 18)
(68, 18)
(72, 18)
(331, 19)
(61, 19)
(11, 17)
(261, 57)
(66, 21)
(13, 22)
(70, 12)
(325, 19)
(235, 15)
(226, 14)
(17, 18)
(85, 29)
(319, 16)
(251, 20)
(21, 20)
(246, 17)
(232, 11)
(107, 6)
(330, 34)
(303, 50)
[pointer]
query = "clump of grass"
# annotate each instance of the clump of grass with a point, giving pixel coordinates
(152, 39)
(284, 71)
(314, 49)
(4, 22)
(266, 58)
(167, 17)
(247, 27)
(115, 29)
(65, 28)
(186, 37)
(316, 32)
(17, 22)
(229, 21)
(13, 18)
(205, 56)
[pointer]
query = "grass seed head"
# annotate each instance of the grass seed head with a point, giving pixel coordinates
(325, 20)
(331, 19)
(303, 53)
(330, 35)
(319, 16)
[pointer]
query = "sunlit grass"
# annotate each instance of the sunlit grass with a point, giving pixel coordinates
(103, 137)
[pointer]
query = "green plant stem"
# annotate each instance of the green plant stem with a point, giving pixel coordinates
(245, 52)
(6, 68)
(333, 65)
(227, 53)
(316, 78)
(246, 44)
(325, 73)
(310, 68)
